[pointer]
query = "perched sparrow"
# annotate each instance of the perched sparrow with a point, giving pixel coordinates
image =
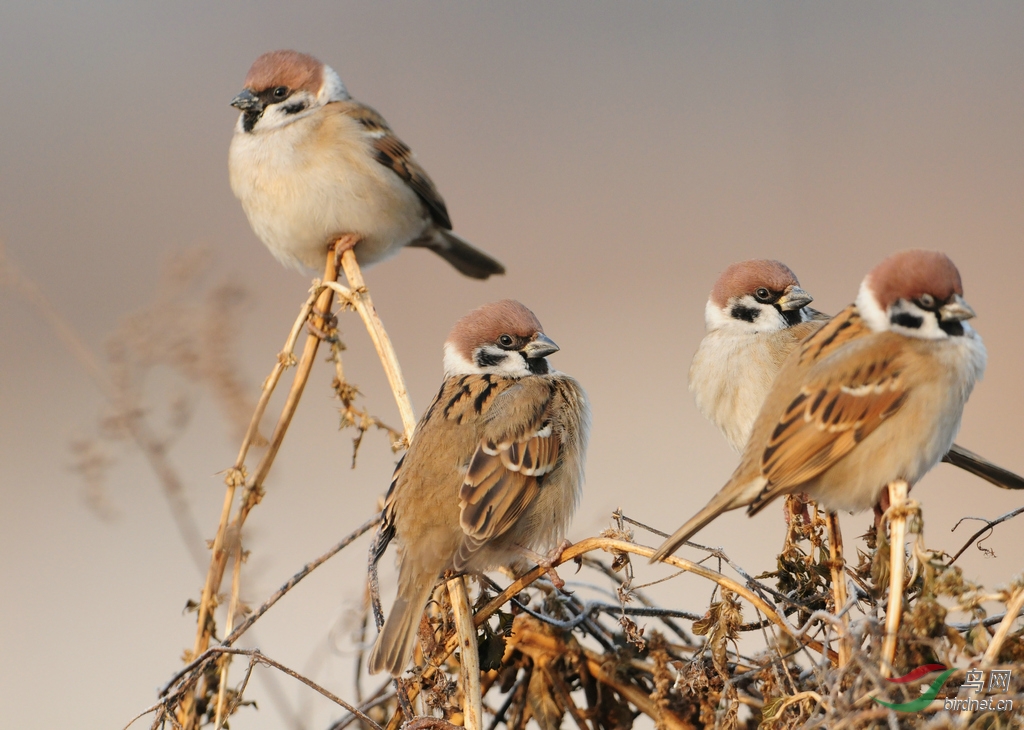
(756, 315)
(494, 470)
(310, 164)
(874, 395)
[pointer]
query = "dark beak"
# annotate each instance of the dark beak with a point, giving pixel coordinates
(794, 298)
(956, 309)
(247, 102)
(540, 346)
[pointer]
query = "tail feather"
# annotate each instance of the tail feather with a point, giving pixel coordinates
(396, 643)
(724, 501)
(461, 254)
(981, 467)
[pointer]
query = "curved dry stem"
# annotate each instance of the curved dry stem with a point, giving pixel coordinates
(1013, 607)
(359, 298)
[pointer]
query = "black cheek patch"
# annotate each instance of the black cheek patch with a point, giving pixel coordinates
(747, 314)
(485, 359)
(952, 327)
(908, 320)
(294, 108)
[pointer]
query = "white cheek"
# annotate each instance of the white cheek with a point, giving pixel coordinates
(333, 89)
(769, 319)
(868, 308)
(714, 317)
(456, 364)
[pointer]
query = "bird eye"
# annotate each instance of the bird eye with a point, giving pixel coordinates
(762, 294)
(506, 341)
(926, 300)
(280, 92)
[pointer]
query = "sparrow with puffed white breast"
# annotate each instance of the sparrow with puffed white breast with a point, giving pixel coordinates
(494, 470)
(875, 395)
(756, 315)
(309, 164)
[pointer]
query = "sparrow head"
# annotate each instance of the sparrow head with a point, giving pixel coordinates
(759, 295)
(283, 86)
(917, 293)
(503, 338)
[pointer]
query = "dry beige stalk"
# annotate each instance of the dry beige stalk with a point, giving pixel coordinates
(897, 565)
(254, 486)
(1014, 604)
(472, 703)
(837, 565)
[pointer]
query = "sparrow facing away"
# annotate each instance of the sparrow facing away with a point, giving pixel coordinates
(310, 164)
(494, 470)
(874, 395)
(756, 316)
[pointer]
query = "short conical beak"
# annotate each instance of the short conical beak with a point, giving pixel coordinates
(247, 101)
(540, 346)
(794, 298)
(956, 310)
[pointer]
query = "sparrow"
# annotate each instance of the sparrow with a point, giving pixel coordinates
(494, 470)
(309, 164)
(874, 395)
(756, 316)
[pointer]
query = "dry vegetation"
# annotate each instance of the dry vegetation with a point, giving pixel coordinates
(775, 650)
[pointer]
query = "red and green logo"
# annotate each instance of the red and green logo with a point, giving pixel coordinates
(929, 694)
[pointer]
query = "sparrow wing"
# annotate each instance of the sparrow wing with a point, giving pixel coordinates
(394, 154)
(846, 395)
(517, 449)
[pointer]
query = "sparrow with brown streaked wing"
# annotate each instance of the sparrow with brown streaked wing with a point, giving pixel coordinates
(309, 164)
(875, 395)
(494, 470)
(756, 316)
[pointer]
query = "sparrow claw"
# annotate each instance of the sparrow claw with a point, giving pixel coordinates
(547, 562)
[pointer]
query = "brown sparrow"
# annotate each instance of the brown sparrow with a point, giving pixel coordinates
(494, 470)
(309, 164)
(756, 315)
(874, 395)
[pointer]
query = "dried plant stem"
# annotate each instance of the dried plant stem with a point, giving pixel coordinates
(254, 485)
(359, 297)
(229, 624)
(472, 702)
(633, 694)
(285, 359)
(1013, 606)
(613, 545)
(897, 559)
(837, 564)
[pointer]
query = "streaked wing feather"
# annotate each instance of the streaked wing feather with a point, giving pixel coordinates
(394, 154)
(507, 470)
(833, 412)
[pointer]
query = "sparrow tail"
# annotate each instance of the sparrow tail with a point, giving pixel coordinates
(721, 502)
(394, 647)
(981, 467)
(461, 254)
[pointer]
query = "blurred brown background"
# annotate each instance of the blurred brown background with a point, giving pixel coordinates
(614, 156)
